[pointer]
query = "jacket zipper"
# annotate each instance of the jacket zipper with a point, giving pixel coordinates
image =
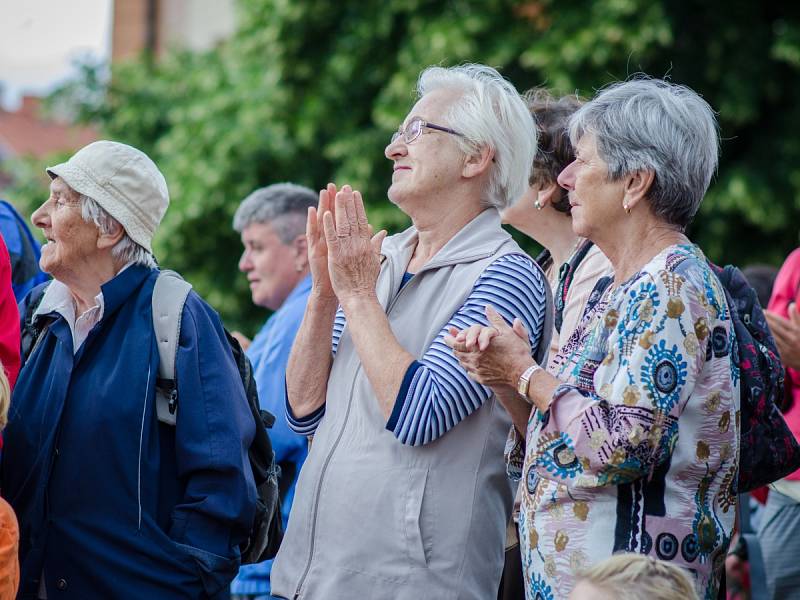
(389, 306)
(324, 470)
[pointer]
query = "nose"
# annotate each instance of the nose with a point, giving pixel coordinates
(566, 179)
(245, 264)
(41, 216)
(396, 149)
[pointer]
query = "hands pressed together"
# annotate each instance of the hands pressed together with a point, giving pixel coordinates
(493, 355)
(342, 252)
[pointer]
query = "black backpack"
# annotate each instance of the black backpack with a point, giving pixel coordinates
(169, 296)
(566, 273)
(768, 450)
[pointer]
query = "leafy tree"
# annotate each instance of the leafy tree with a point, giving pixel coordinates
(309, 91)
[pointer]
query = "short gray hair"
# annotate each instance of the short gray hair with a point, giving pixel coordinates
(651, 124)
(489, 113)
(283, 205)
(125, 250)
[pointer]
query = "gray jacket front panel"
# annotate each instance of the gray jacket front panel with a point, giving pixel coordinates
(374, 518)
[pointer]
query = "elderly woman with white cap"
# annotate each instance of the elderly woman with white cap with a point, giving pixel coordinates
(112, 502)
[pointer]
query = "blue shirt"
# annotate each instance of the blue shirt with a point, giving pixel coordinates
(269, 354)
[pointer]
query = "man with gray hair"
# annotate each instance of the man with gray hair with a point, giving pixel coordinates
(112, 501)
(272, 223)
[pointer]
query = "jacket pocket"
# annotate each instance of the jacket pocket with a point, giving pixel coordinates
(416, 523)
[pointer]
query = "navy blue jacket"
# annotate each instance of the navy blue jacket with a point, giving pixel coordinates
(111, 502)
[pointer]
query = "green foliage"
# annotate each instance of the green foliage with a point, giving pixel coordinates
(309, 91)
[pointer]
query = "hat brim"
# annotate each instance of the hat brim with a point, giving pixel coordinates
(81, 183)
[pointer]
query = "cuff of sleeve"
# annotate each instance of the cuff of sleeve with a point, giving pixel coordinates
(303, 425)
(402, 395)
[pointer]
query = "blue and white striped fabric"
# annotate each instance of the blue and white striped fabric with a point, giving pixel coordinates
(436, 393)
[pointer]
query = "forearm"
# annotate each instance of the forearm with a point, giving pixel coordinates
(516, 407)
(384, 360)
(310, 359)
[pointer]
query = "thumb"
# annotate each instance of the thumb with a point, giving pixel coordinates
(377, 240)
(519, 329)
(495, 318)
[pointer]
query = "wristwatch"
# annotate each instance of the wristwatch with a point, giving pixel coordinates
(525, 380)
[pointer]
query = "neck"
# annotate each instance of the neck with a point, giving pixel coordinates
(553, 230)
(632, 250)
(436, 230)
(86, 285)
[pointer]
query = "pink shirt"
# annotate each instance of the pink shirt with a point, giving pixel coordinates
(784, 292)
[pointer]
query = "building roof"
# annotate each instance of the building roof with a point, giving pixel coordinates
(26, 133)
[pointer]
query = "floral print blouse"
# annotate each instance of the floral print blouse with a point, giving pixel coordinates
(639, 449)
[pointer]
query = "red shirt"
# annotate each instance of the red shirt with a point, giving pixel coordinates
(9, 319)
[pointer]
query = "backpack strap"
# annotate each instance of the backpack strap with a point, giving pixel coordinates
(32, 331)
(566, 274)
(169, 297)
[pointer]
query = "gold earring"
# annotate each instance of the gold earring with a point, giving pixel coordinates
(626, 208)
(538, 205)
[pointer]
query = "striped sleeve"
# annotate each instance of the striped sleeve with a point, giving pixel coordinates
(436, 393)
(308, 425)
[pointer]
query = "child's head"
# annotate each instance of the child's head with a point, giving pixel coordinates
(634, 576)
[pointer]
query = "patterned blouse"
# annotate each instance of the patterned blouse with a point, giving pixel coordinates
(639, 448)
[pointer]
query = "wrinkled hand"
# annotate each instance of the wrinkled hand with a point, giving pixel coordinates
(317, 246)
(495, 355)
(787, 335)
(353, 252)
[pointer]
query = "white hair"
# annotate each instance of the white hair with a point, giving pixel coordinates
(654, 125)
(125, 250)
(489, 113)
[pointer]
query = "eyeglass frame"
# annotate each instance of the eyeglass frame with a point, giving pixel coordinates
(423, 124)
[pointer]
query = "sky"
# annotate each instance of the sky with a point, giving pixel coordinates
(41, 39)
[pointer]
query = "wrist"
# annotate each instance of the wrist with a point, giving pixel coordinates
(355, 301)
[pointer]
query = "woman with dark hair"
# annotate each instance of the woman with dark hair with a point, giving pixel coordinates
(572, 263)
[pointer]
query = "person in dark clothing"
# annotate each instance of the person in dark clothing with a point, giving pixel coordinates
(113, 502)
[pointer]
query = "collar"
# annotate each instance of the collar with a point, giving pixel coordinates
(303, 287)
(57, 298)
(113, 293)
(480, 238)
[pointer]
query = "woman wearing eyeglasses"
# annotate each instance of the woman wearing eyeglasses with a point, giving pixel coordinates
(404, 493)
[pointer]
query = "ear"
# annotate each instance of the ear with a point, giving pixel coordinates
(109, 240)
(300, 247)
(637, 186)
(477, 164)
(548, 193)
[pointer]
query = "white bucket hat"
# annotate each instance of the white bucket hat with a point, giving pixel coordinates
(123, 181)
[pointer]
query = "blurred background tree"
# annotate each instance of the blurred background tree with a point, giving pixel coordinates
(309, 91)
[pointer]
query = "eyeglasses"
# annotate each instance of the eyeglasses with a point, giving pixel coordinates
(416, 127)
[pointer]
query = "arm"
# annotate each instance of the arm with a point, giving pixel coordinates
(310, 361)
(437, 392)
(213, 434)
(627, 424)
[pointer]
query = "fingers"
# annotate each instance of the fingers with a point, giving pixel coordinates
(471, 340)
(794, 315)
(344, 216)
(377, 240)
(520, 330)
(495, 318)
(364, 228)
(485, 336)
(330, 231)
